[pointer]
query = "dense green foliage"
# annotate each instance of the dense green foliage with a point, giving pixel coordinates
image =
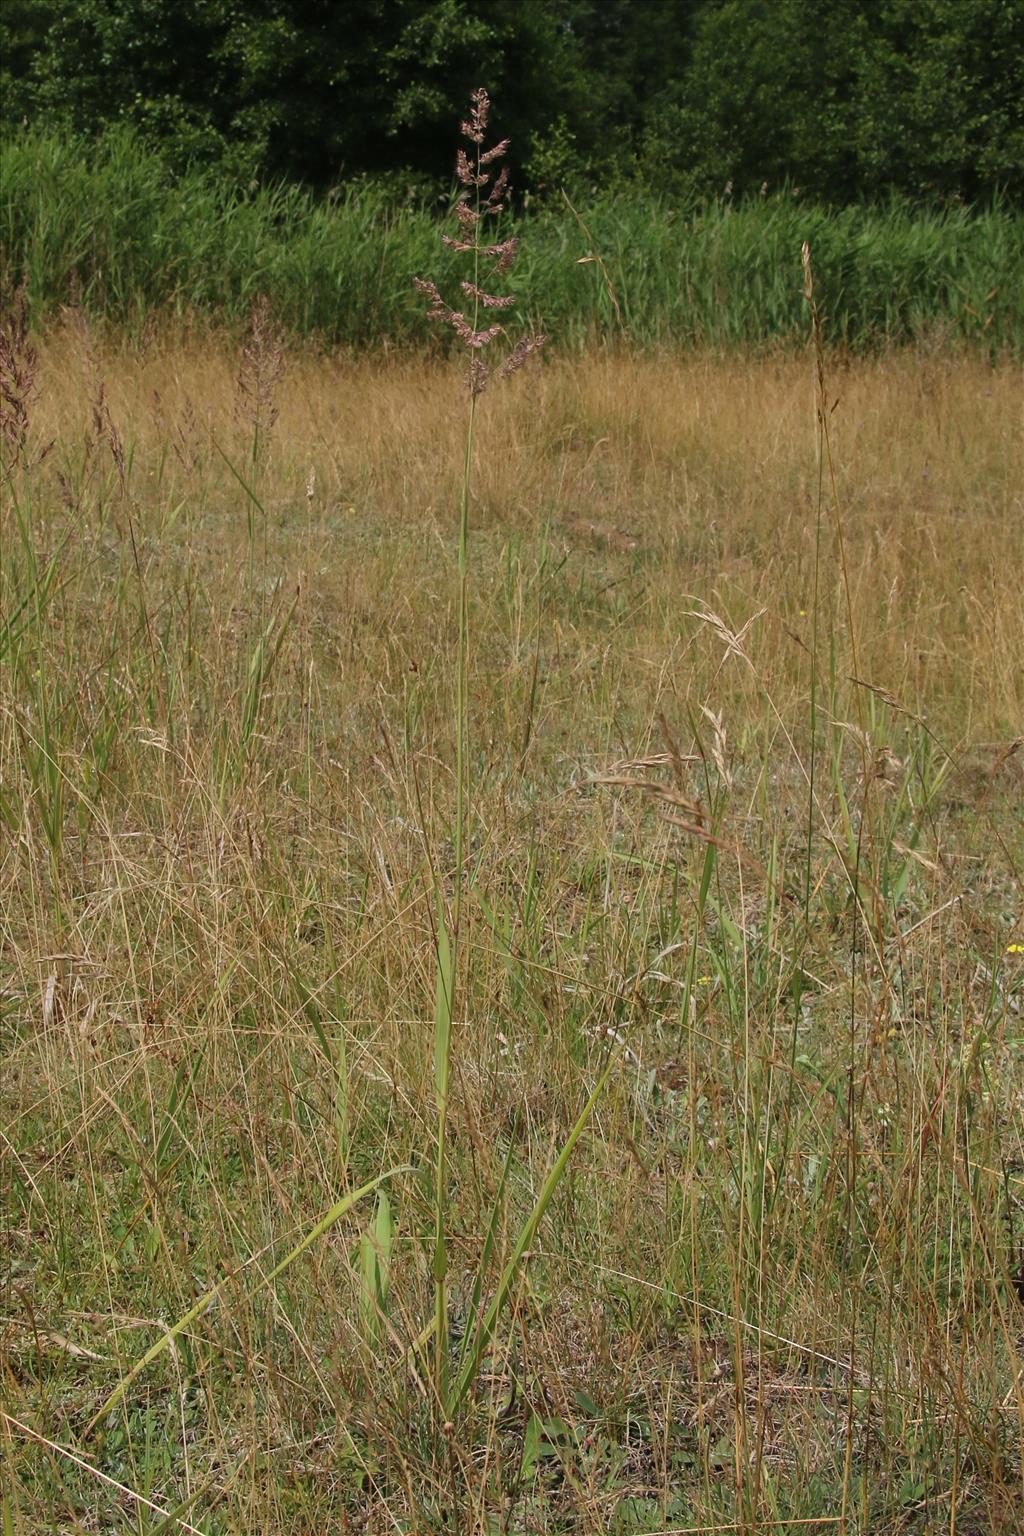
(848, 100)
(114, 228)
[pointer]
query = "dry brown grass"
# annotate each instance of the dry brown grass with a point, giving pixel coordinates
(776, 1285)
(700, 471)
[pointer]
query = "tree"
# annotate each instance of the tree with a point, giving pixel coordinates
(848, 100)
(305, 89)
(851, 99)
(770, 96)
(941, 99)
(24, 25)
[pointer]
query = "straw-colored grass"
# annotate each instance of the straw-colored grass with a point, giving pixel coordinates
(777, 1281)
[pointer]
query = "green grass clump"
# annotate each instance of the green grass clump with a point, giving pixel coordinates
(109, 224)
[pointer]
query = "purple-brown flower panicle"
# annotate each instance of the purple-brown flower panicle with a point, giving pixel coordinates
(472, 204)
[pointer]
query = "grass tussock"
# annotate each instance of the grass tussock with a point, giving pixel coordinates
(778, 892)
(109, 226)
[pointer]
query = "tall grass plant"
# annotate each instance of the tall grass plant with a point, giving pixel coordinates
(109, 227)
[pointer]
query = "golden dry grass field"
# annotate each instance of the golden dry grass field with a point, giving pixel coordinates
(745, 829)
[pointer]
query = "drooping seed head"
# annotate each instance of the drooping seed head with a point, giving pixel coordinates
(488, 300)
(524, 348)
(490, 155)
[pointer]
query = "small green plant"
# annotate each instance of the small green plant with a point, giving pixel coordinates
(375, 1271)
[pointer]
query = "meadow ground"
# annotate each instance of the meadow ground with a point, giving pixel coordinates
(746, 819)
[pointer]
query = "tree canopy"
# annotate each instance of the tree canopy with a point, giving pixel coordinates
(846, 100)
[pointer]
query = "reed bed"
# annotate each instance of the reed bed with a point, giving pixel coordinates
(107, 226)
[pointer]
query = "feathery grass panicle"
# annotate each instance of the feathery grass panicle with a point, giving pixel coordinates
(472, 206)
(259, 373)
(18, 362)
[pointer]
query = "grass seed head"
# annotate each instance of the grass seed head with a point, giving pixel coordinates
(259, 373)
(473, 173)
(17, 381)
